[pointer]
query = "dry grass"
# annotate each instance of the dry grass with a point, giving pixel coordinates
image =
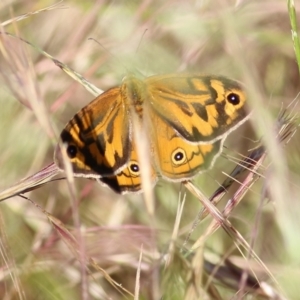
(121, 251)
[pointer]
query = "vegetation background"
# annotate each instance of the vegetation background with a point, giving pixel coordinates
(246, 40)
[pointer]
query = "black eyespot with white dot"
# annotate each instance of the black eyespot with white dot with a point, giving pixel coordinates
(72, 151)
(233, 98)
(178, 156)
(134, 168)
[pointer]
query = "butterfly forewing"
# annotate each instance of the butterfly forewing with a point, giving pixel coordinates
(98, 138)
(202, 109)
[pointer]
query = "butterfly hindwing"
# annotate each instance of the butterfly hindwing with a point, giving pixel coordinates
(129, 180)
(176, 158)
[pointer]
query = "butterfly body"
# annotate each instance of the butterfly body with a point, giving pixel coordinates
(186, 118)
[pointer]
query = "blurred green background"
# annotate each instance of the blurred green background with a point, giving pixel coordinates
(245, 40)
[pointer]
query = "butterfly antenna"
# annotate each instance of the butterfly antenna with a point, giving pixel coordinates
(104, 48)
(110, 53)
(115, 57)
(138, 47)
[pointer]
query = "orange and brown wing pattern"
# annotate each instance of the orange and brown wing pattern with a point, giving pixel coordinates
(201, 109)
(186, 119)
(129, 180)
(98, 138)
(176, 158)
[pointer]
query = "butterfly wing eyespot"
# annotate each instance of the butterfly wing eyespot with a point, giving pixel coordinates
(71, 151)
(178, 156)
(134, 168)
(233, 98)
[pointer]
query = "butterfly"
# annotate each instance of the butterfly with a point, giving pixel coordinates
(186, 118)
